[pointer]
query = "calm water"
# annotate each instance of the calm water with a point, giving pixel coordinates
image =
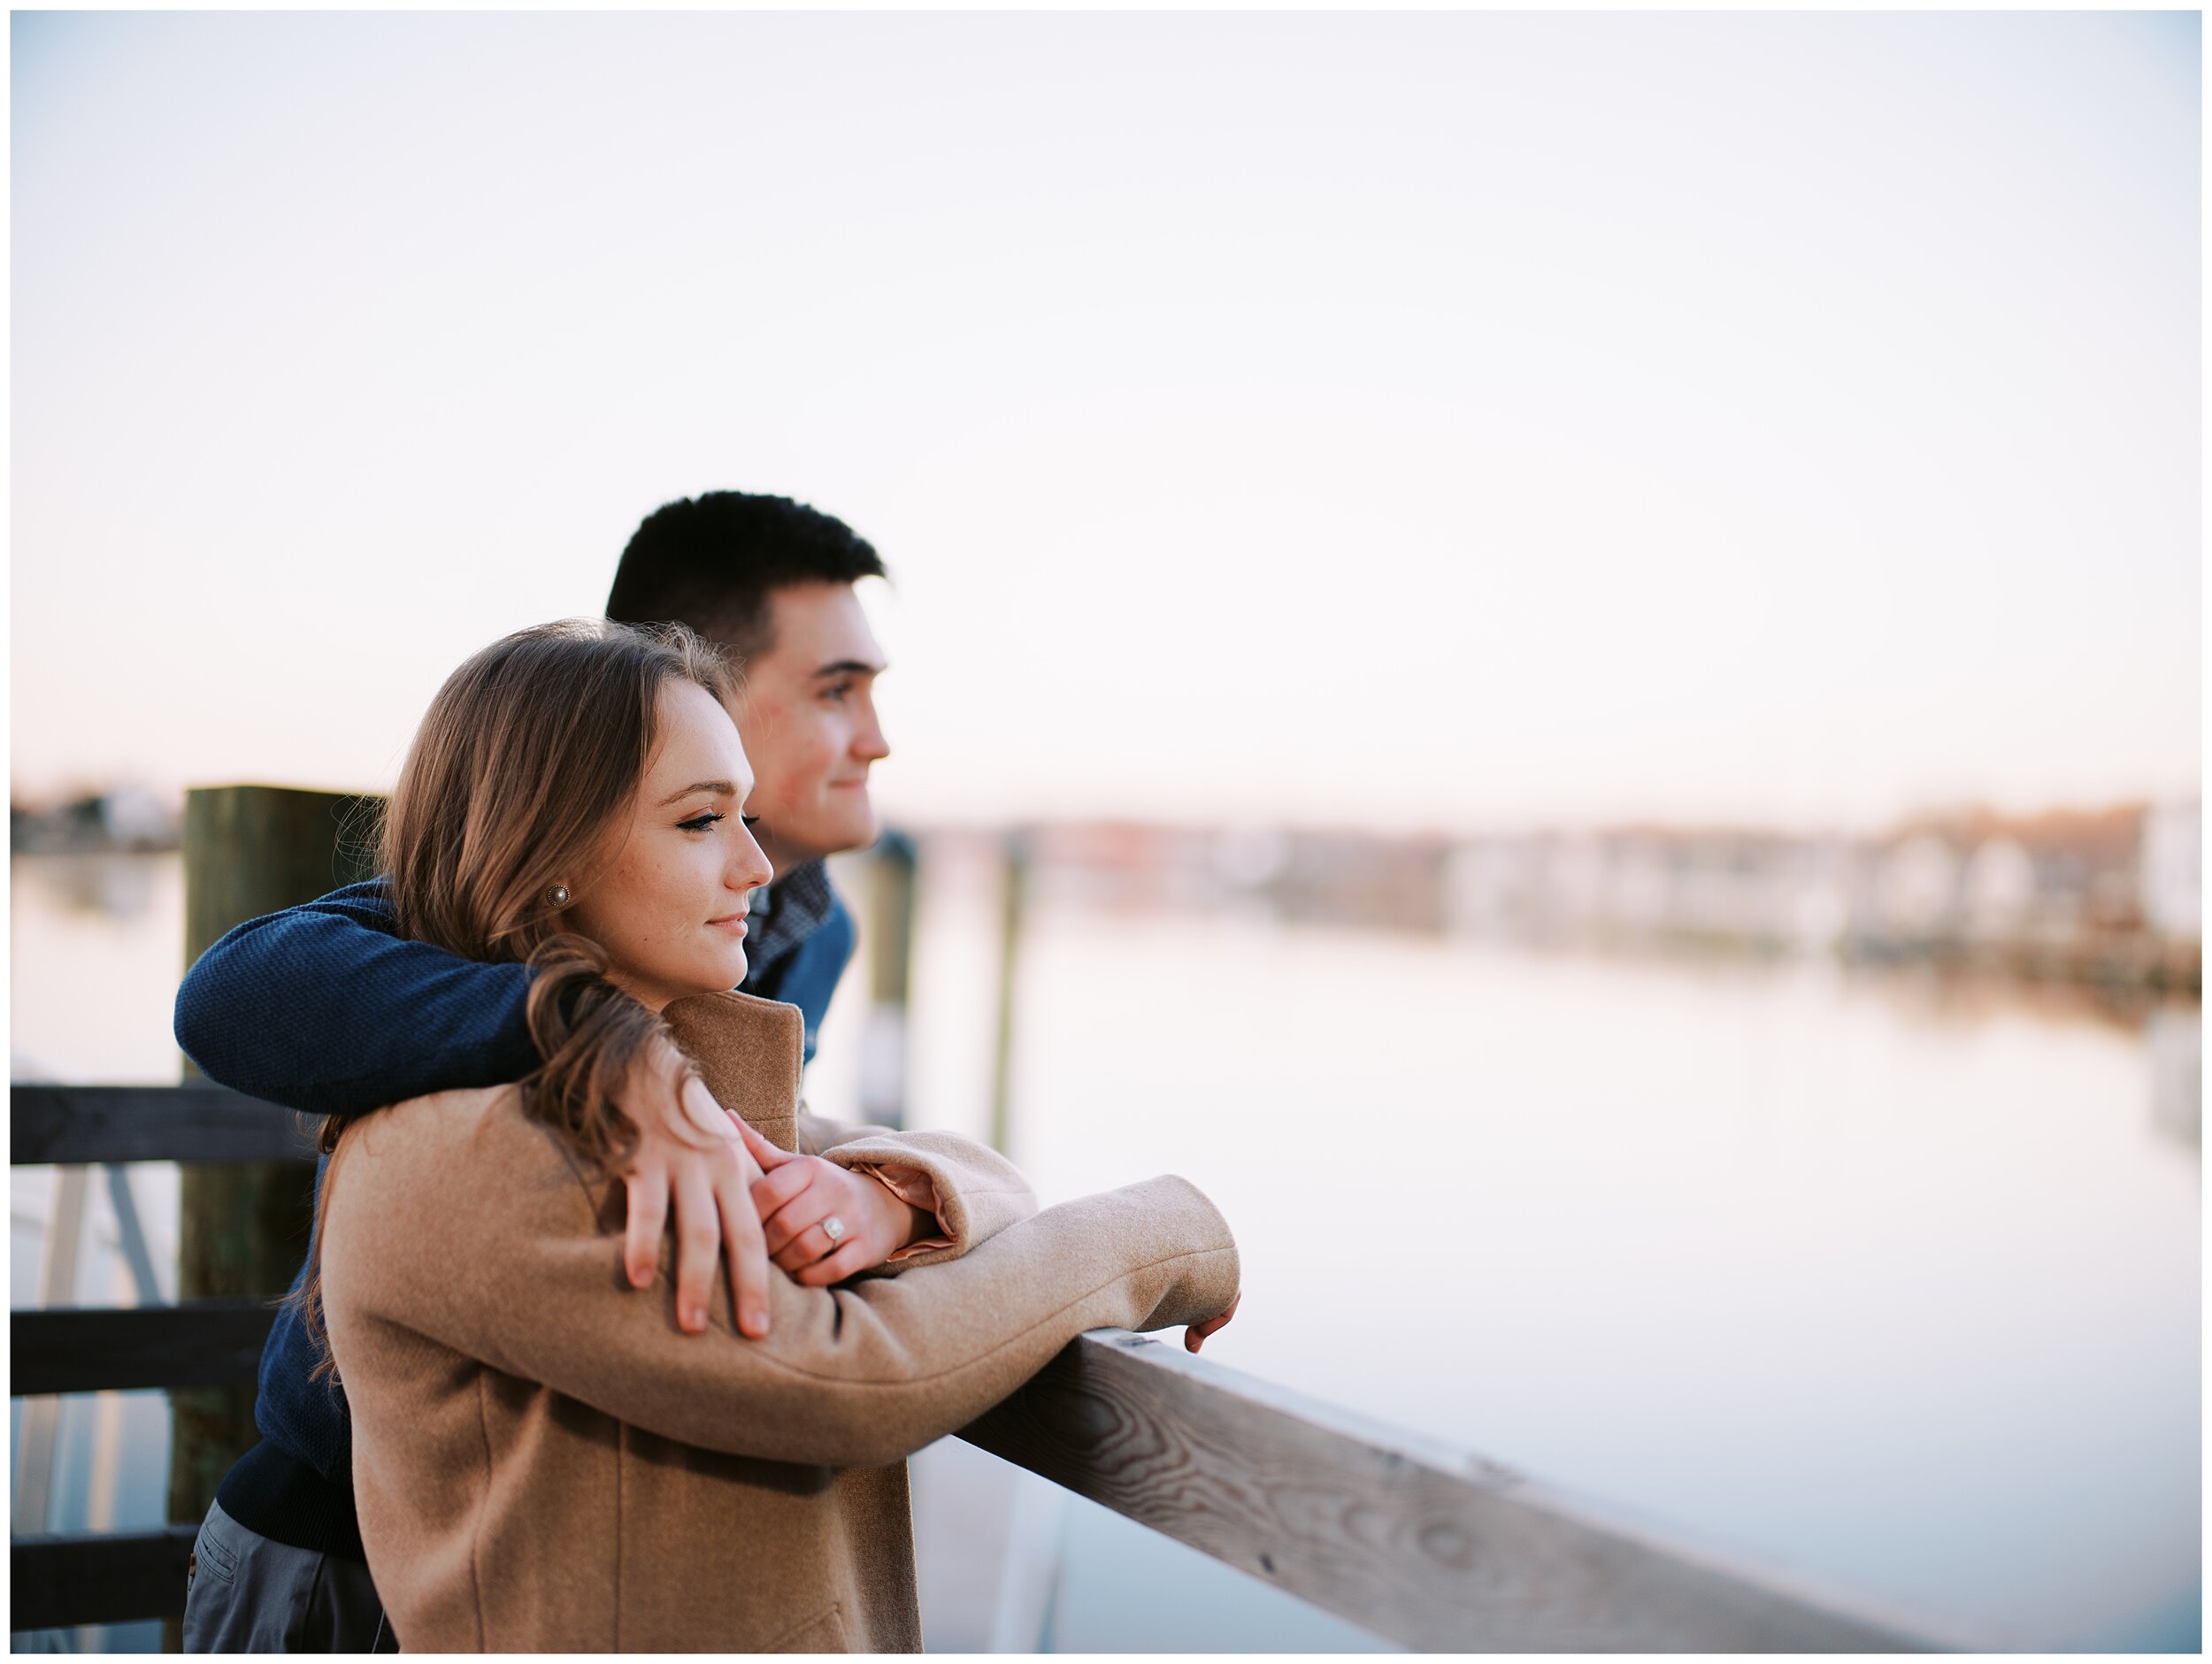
(1896, 1287)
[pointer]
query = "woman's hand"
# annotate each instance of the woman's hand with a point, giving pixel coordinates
(799, 1192)
(692, 1150)
(1195, 1334)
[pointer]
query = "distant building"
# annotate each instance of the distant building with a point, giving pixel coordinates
(1574, 878)
(134, 819)
(1816, 907)
(2109, 895)
(1917, 887)
(2000, 899)
(1488, 886)
(126, 817)
(1639, 884)
(2172, 870)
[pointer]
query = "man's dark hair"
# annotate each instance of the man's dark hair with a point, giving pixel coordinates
(710, 562)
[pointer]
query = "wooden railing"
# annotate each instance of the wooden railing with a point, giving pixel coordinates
(1417, 1541)
(57, 1581)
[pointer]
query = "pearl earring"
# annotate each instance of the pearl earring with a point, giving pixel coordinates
(557, 896)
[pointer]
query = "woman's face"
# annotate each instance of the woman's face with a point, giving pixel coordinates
(668, 899)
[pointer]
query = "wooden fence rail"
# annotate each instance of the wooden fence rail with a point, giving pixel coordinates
(1418, 1542)
(121, 1577)
(100, 1349)
(77, 1125)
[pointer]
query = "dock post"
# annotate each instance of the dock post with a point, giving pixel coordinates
(1013, 907)
(248, 850)
(890, 944)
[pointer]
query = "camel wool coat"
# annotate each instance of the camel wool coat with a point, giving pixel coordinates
(544, 1463)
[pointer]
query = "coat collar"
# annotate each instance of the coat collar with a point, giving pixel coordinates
(749, 1054)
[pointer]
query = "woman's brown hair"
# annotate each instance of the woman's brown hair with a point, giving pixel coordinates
(526, 759)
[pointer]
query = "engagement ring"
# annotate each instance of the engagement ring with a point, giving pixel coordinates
(833, 1228)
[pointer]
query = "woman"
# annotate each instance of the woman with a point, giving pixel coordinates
(542, 1460)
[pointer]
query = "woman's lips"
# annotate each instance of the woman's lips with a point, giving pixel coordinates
(734, 924)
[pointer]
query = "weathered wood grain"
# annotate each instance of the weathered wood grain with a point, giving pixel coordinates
(73, 1125)
(55, 1581)
(242, 1226)
(95, 1349)
(1419, 1543)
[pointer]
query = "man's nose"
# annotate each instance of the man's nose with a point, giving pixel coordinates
(869, 744)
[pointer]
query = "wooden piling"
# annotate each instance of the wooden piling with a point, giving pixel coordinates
(248, 850)
(889, 944)
(1013, 909)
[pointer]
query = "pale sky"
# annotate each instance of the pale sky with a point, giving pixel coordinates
(1400, 419)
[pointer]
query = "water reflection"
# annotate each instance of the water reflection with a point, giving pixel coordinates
(95, 945)
(119, 888)
(1886, 1274)
(1926, 992)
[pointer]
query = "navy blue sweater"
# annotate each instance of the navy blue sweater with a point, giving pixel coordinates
(326, 1010)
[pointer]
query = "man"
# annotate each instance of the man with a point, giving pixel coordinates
(773, 581)
(323, 1007)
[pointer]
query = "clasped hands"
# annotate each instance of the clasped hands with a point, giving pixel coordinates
(733, 1191)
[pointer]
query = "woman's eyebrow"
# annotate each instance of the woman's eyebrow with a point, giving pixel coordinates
(722, 787)
(850, 667)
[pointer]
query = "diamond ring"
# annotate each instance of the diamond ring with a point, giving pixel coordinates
(833, 1228)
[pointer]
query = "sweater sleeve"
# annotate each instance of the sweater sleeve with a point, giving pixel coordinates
(525, 1275)
(325, 1009)
(975, 1192)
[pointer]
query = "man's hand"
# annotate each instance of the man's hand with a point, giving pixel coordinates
(691, 1150)
(1194, 1336)
(799, 1192)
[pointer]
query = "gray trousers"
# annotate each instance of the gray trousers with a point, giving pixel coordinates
(250, 1595)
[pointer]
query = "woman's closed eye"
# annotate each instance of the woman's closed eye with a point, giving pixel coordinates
(706, 823)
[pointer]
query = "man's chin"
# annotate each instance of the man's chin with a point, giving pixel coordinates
(832, 837)
(848, 821)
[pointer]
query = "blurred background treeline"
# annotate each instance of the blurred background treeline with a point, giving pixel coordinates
(2106, 897)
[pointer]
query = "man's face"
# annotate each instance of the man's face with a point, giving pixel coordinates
(807, 715)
